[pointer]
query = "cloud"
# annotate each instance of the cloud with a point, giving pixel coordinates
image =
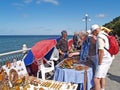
(55, 2)
(27, 1)
(18, 4)
(25, 15)
(21, 5)
(38, 1)
(101, 15)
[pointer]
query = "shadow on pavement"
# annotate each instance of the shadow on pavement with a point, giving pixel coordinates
(113, 77)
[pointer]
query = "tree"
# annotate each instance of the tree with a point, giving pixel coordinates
(115, 25)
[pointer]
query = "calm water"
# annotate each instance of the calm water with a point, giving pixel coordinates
(11, 43)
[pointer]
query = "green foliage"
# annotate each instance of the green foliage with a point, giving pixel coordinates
(115, 25)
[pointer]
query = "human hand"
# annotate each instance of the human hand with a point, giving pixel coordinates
(70, 55)
(61, 52)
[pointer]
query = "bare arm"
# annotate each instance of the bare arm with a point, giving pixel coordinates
(75, 53)
(101, 44)
(100, 55)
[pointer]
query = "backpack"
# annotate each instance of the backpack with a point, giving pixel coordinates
(113, 45)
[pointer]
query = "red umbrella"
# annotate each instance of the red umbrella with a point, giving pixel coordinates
(40, 49)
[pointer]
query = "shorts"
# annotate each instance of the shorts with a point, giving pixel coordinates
(94, 63)
(102, 69)
(94, 59)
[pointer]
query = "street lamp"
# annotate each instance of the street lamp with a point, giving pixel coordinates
(86, 19)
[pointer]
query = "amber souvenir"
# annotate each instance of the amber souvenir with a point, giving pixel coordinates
(13, 76)
(8, 64)
(17, 88)
(20, 64)
(5, 87)
(19, 81)
(79, 68)
(41, 88)
(1, 77)
(27, 86)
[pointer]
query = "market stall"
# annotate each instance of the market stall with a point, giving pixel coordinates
(13, 76)
(71, 70)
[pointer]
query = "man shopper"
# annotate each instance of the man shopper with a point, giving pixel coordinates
(104, 57)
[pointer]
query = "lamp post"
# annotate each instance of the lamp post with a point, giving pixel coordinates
(86, 19)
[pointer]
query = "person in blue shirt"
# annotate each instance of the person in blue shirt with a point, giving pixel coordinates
(85, 47)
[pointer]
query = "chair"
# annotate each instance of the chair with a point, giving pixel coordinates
(55, 54)
(43, 69)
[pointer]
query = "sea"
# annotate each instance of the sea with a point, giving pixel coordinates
(10, 43)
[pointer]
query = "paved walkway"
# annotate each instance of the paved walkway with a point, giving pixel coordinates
(113, 77)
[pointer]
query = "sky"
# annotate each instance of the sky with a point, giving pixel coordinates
(50, 17)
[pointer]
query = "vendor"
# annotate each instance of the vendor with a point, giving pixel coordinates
(62, 46)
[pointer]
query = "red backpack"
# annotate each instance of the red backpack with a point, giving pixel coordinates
(113, 45)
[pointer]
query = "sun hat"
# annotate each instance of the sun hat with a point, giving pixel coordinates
(94, 27)
(106, 29)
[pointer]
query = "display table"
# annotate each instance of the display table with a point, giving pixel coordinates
(13, 76)
(51, 85)
(17, 68)
(74, 76)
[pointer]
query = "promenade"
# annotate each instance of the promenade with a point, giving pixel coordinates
(113, 76)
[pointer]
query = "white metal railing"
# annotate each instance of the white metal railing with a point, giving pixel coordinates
(10, 56)
(13, 52)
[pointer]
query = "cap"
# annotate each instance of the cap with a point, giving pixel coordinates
(94, 27)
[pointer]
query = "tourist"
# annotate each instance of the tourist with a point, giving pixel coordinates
(104, 57)
(92, 52)
(84, 48)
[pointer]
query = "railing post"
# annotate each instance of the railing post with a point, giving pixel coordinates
(24, 48)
